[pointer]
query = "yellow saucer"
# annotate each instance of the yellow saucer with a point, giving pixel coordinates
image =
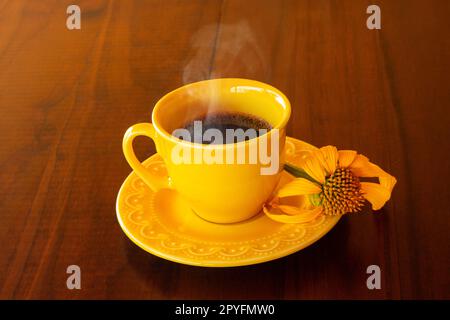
(162, 224)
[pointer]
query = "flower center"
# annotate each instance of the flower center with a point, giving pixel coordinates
(342, 193)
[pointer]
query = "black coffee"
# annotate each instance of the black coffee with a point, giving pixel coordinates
(231, 128)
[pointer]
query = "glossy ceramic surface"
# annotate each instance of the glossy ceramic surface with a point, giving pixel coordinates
(163, 224)
(220, 191)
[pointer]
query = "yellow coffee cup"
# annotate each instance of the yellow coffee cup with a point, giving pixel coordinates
(225, 191)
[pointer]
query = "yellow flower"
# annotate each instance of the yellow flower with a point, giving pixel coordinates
(336, 183)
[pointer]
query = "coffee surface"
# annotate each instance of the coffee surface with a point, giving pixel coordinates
(233, 127)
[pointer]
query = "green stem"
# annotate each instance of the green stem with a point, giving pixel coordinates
(298, 173)
(315, 199)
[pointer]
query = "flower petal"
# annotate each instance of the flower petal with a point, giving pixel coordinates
(376, 171)
(387, 181)
(296, 215)
(361, 166)
(346, 157)
(314, 169)
(297, 187)
(329, 158)
(377, 194)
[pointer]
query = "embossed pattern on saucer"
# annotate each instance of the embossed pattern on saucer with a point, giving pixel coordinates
(162, 224)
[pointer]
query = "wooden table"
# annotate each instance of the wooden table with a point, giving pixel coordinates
(66, 98)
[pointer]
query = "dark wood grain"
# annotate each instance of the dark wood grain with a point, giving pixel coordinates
(66, 98)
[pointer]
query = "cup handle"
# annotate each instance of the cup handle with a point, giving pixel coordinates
(154, 181)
